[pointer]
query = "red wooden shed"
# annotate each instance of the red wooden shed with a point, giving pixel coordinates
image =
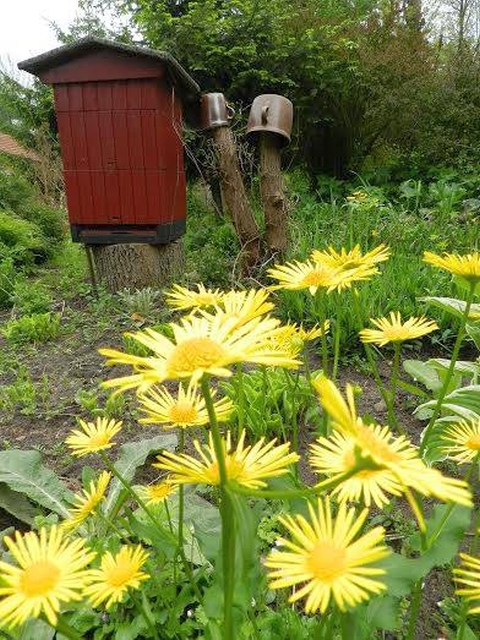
(119, 112)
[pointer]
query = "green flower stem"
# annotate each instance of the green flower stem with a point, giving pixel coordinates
(146, 617)
(111, 525)
(181, 494)
(226, 514)
(154, 520)
(133, 494)
(451, 368)
(414, 609)
(319, 312)
(463, 621)
(273, 395)
(417, 590)
(448, 512)
(386, 395)
(292, 388)
(66, 630)
(336, 335)
(241, 400)
(172, 531)
(392, 418)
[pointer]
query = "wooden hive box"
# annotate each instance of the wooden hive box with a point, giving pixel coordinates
(119, 112)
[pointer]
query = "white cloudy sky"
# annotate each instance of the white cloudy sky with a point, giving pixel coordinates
(25, 29)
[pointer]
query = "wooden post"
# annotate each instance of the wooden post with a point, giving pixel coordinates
(136, 266)
(235, 197)
(272, 192)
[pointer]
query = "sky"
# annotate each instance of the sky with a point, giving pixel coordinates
(25, 29)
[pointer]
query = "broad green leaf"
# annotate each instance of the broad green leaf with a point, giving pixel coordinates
(401, 574)
(473, 330)
(413, 389)
(34, 629)
(464, 367)
(16, 504)
(151, 533)
(132, 456)
(454, 306)
(201, 519)
(24, 472)
(433, 439)
(424, 373)
(445, 530)
(464, 402)
(383, 613)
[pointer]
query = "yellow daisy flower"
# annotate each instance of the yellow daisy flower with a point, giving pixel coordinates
(462, 441)
(181, 298)
(117, 574)
(376, 448)
(86, 503)
(186, 410)
(468, 580)
(394, 330)
(245, 465)
(327, 559)
(467, 266)
(95, 436)
(200, 345)
(313, 276)
(335, 456)
(291, 338)
(51, 572)
(352, 259)
(157, 493)
(376, 445)
(243, 306)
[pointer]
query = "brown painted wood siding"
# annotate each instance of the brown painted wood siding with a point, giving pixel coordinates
(122, 151)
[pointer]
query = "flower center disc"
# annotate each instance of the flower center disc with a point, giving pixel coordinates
(326, 561)
(474, 442)
(317, 278)
(118, 576)
(183, 413)
(99, 440)
(195, 353)
(39, 578)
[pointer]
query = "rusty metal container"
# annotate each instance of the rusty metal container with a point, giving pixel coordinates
(215, 111)
(273, 113)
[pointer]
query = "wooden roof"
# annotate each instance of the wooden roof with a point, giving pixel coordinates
(12, 147)
(60, 56)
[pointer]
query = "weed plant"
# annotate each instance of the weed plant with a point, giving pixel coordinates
(37, 327)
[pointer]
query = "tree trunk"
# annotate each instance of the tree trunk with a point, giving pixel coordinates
(272, 193)
(235, 197)
(136, 266)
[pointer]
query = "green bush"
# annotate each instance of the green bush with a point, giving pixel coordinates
(38, 327)
(7, 282)
(29, 229)
(51, 222)
(22, 238)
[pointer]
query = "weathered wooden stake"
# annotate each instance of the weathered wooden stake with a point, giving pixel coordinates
(272, 192)
(235, 197)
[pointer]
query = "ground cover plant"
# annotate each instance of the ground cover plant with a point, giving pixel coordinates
(267, 487)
